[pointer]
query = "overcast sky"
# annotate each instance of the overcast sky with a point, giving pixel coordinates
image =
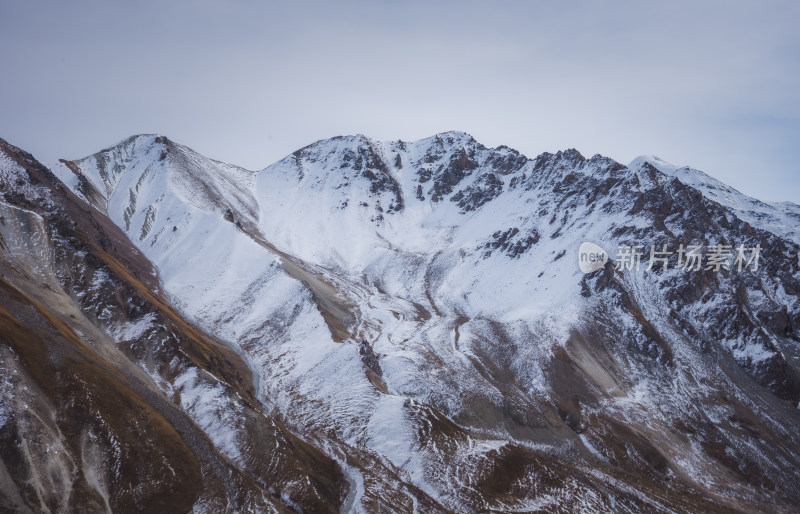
(714, 84)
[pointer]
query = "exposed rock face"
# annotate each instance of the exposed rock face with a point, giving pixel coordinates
(399, 326)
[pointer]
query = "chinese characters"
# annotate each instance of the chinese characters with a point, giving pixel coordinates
(689, 257)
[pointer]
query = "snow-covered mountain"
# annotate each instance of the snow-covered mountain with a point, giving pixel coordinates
(781, 218)
(402, 326)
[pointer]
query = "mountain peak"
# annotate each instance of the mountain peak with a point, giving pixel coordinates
(651, 159)
(451, 138)
(779, 218)
(135, 140)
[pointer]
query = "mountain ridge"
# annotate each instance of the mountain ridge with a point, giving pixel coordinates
(414, 311)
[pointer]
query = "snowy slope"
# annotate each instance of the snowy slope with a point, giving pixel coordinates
(419, 304)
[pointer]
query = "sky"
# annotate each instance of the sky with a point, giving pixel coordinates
(710, 84)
